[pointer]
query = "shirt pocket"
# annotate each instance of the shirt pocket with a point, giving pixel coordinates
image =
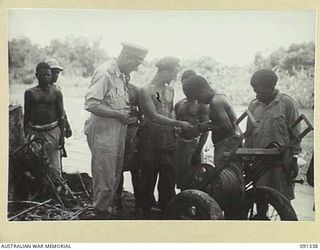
(279, 123)
(117, 97)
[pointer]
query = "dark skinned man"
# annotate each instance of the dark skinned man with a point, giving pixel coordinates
(190, 145)
(221, 114)
(274, 113)
(55, 72)
(43, 114)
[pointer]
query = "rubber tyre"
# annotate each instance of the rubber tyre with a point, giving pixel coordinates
(193, 205)
(272, 197)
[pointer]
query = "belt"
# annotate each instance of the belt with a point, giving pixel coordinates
(45, 127)
(197, 139)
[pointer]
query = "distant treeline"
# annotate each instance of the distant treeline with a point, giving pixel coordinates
(80, 56)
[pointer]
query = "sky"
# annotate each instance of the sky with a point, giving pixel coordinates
(230, 37)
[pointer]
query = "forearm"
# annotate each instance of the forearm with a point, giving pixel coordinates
(103, 111)
(67, 124)
(61, 124)
(25, 124)
(296, 148)
(202, 141)
(160, 119)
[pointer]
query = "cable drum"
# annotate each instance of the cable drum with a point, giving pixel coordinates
(227, 187)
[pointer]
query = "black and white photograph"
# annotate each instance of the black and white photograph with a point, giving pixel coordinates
(161, 115)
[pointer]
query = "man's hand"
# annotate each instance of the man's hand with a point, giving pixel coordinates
(133, 120)
(185, 125)
(205, 127)
(68, 132)
(294, 168)
(61, 142)
(123, 116)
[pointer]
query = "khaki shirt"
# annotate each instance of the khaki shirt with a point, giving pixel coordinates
(273, 122)
(107, 87)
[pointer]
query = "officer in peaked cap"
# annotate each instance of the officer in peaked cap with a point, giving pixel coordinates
(134, 50)
(107, 101)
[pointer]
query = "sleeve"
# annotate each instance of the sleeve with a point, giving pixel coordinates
(98, 88)
(292, 115)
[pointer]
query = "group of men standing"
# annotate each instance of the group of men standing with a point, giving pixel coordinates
(121, 113)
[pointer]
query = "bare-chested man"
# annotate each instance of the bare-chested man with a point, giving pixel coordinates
(221, 115)
(43, 114)
(190, 142)
(158, 141)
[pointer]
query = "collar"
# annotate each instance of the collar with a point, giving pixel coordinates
(115, 68)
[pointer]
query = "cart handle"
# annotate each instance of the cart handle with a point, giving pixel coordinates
(245, 114)
(309, 128)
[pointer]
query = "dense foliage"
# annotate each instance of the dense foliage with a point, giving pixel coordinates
(80, 56)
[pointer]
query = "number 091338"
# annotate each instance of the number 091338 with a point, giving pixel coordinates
(309, 245)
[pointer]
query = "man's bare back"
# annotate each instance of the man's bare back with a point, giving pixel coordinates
(222, 116)
(162, 100)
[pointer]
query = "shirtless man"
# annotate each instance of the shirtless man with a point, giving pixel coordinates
(190, 144)
(221, 115)
(55, 72)
(157, 139)
(43, 114)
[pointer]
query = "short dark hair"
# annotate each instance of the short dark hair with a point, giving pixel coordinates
(196, 85)
(42, 66)
(187, 74)
(264, 77)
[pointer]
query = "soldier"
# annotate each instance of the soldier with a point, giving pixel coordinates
(158, 141)
(108, 102)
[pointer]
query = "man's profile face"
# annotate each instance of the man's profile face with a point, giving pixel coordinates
(55, 75)
(172, 74)
(132, 65)
(263, 93)
(44, 76)
(204, 99)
